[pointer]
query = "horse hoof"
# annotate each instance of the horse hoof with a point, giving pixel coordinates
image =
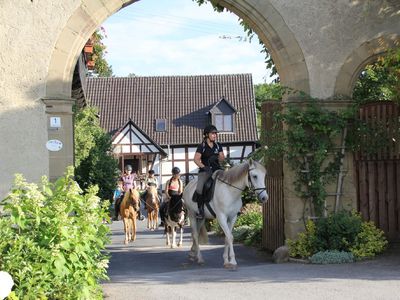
(192, 257)
(179, 245)
(230, 266)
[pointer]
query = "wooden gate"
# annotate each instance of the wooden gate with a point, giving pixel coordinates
(378, 175)
(273, 210)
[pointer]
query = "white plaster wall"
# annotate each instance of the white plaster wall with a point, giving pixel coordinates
(328, 31)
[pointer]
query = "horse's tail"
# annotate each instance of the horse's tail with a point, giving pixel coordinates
(203, 235)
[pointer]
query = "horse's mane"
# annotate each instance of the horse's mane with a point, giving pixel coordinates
(128, 195)
(175, 207)
(235, 173)
(152, 189)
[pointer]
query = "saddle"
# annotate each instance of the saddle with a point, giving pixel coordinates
(208, 188)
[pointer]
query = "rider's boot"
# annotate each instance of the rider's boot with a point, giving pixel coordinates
(139, 215)
(200, 204)
(200, 214)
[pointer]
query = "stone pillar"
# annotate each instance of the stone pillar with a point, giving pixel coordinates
(61, 129)
(294, 205)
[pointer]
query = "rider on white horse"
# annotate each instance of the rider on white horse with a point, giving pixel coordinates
(209, 154)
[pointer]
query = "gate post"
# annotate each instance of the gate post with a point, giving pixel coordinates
(60, 129)
(295, 216)
(284, 215)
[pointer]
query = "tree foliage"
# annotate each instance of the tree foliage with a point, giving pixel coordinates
(101, 66)
(94, 162)
(267, 91)
(380, 81)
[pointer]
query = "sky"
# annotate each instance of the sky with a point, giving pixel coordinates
(178, 37)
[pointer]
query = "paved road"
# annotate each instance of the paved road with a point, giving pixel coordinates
(147, 269)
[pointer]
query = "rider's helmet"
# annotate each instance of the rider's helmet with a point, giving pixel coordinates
(175, 170)
(151, 172)
(209, 129)
(128, 168)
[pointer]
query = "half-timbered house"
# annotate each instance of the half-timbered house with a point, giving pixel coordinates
(157, 122)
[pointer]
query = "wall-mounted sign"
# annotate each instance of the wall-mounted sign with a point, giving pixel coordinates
(54, 145)
(55, 122)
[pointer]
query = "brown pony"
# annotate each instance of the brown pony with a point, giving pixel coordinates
(128, 211)
(152, 206)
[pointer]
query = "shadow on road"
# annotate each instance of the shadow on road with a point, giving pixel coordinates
(149, 260)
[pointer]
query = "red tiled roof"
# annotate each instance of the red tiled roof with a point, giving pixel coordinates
(182, 100)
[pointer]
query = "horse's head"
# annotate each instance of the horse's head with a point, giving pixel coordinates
(133, 198)
(152, 194)
(257, 174)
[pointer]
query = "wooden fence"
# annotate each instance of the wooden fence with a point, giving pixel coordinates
(378, 175)
(273, 211)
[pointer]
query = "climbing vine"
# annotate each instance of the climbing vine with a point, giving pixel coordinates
(313, 144)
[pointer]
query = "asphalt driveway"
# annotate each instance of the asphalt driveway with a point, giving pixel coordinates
(147, 269)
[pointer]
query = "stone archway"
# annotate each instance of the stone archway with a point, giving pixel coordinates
(268, 24)
(358, 59)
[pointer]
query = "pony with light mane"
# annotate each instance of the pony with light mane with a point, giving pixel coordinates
(128, 210)
(152, 207)
(226, 203)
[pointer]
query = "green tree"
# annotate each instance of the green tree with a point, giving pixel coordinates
(380, 81)
(94, 162)
(101, 66)
(267, 91)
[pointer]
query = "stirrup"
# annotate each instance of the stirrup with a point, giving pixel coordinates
(200, 214)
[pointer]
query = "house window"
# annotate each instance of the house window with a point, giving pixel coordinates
(224, 123)
(161, 125)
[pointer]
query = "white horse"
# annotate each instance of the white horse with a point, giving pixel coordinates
(174, 220)
(226, 204)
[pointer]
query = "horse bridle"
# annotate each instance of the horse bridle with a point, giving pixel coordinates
(251, 185)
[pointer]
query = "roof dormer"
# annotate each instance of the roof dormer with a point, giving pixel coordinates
(222, 116)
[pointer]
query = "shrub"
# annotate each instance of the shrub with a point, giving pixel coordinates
(369, 241)
(332, 257)
(338, 231)
(52, 238)
(248, 226)
(343, 232)
(304, 246)
(251, 218)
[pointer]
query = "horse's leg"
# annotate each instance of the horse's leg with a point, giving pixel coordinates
(181, 237)
(173, 245)
(198, 224)
(153, 215)
(156, 218)
(134, 227)
(148, 219)
(126, 229)
(229, 253)
(195, 244)
(167, 234)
